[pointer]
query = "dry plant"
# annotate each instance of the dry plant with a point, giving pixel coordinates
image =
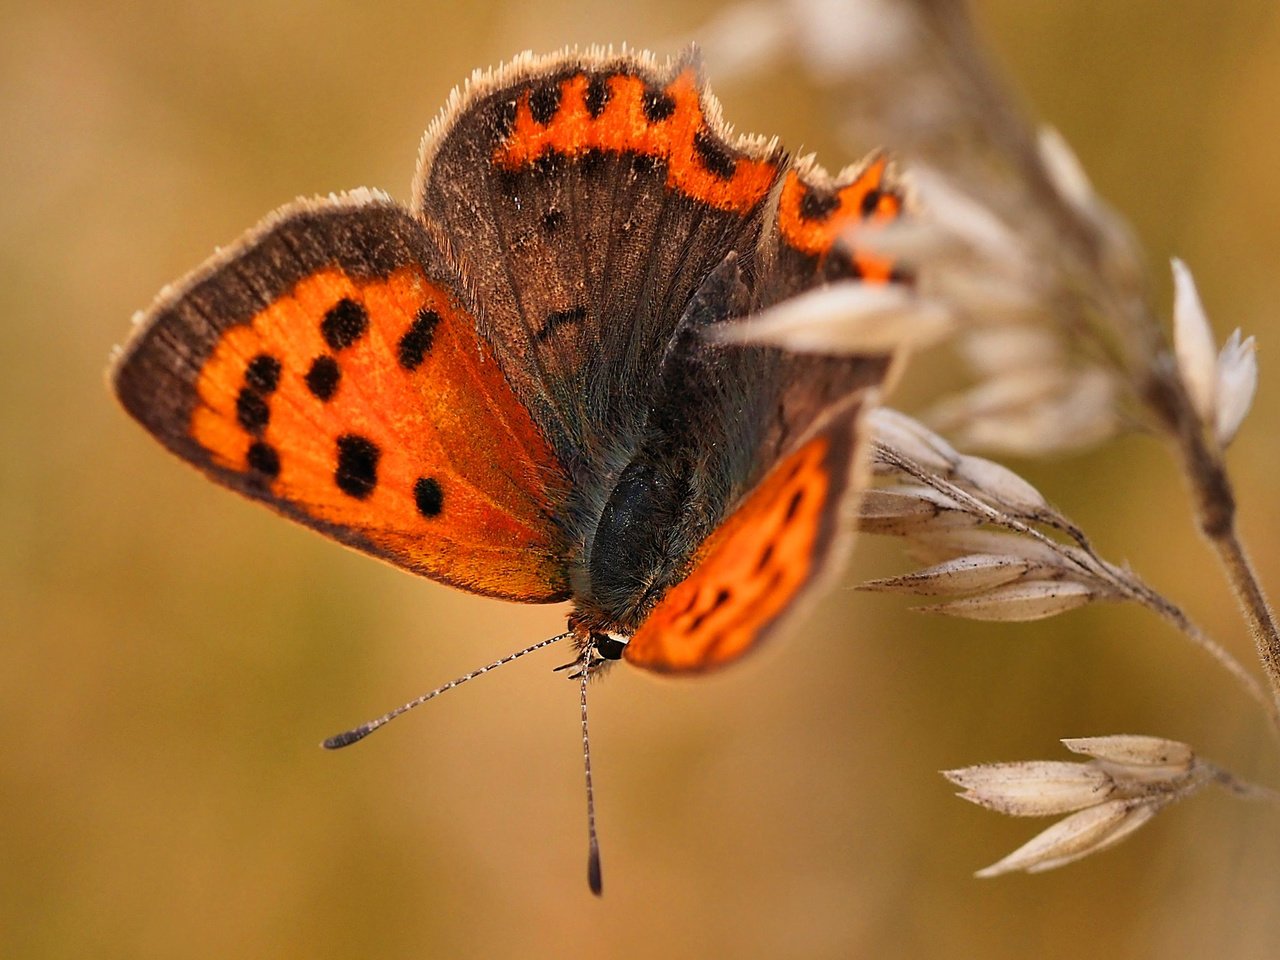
(1041, 286)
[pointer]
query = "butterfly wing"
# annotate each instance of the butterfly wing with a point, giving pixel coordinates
(772, 551)
(329, 365)
(591, 195)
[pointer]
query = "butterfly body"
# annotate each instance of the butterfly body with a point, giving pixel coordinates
(514, 384)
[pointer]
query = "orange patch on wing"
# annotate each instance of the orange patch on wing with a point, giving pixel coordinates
(817, 235)
(623, 127)
(444, 420)
(745, 575)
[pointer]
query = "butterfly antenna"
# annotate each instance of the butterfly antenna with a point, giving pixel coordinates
(362, 731)
(594, 878)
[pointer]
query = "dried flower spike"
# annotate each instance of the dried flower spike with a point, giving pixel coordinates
(993, 576)
(1128, 780)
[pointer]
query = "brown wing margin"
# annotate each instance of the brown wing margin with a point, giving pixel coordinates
(328, 365)
(755, 572)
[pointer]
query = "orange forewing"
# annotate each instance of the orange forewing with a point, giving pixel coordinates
(866, 198)
(752, 568)
(444, 420)
(623, 127)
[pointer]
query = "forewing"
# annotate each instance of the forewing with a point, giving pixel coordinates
(329, 366)
(590, 196)
(754, 572)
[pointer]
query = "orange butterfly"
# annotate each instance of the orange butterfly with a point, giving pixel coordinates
(509, 386)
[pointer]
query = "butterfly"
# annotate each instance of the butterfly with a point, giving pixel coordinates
(515, 385)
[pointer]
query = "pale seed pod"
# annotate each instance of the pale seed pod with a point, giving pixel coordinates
(933, 546)
(912, 440)
(1133, 750)
(852, 318)
(1036, 788)
(1193, 342)
(967, 574)
(907, 511)
(1065, 170)
(1139, 761)
(998, 483)
(1091, 830)
(1236, 384)
(1019, 602)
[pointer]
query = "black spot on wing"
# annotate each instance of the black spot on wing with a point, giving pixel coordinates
(263, 459)
(428, 496)
(263, 373)
(323, 377)
(591, 161)
(549, 163)
(712, 648)
(658, 104)
(722, 597)
(715, 156)
(502, 118)
(344, 323)
(544, 102)
(252, 411)
(642, 163)
(840, 265)
(597, 97)
(793, 505)
(417, 340)
(357, 471)
(818, 205)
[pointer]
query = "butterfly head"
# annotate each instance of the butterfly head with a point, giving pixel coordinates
(598, 642)
(609, 645)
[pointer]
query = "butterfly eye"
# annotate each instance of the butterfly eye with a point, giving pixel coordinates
(609, 645)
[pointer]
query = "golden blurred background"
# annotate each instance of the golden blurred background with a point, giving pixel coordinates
(173, 655)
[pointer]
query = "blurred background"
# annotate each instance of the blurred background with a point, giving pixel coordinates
(172, 656)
